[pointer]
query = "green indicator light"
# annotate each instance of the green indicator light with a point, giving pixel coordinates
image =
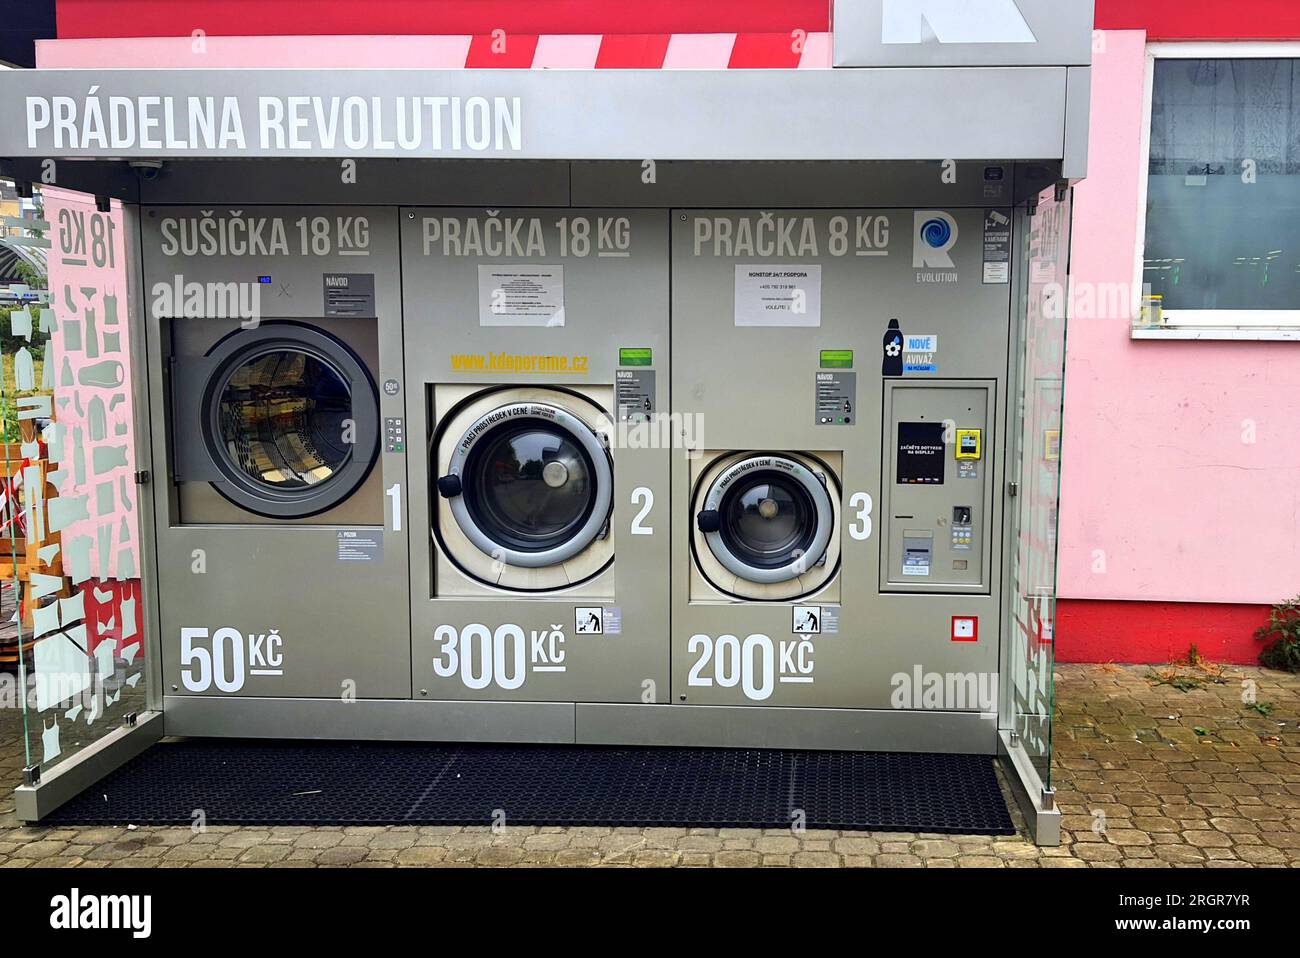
(638, 356)
(837, 359)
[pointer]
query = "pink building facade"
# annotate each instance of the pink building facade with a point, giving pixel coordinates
(1180, 500)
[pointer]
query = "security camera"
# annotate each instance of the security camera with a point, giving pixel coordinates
(146, 169)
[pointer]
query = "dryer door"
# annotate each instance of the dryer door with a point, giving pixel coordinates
(767, 519)
(530, 484)
(287, 421)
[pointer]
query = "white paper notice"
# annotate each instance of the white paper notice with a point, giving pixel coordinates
(520, 295)
(781, 295)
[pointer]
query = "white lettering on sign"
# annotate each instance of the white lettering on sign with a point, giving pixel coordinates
(503, 656)
(756, 664)
(397, 124)
(793, 236)
(954, 21)
(236, 234)
(224, 659)
(496, 235)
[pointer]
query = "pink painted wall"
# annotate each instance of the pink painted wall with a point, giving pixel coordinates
(1161, 499)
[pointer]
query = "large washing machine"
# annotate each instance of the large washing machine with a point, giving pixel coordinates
(837, 526)
(282, 560)
(537, 345)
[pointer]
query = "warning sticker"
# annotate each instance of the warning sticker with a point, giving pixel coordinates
(806, 620)
(597, 620)
(997, 247)
(357, 546)
(589, 620)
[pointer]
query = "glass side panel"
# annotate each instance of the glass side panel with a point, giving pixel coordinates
(73, 641)
(1036, 468)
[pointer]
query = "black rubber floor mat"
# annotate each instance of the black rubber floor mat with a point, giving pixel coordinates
(384, 784)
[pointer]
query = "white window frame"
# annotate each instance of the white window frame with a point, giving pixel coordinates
(1256, 324)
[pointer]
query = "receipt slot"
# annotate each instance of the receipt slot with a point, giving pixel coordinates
(937, 492)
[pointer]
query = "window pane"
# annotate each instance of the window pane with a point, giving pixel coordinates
(1223, 191)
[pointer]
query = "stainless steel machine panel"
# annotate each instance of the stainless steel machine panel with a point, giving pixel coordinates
(788, 327)
(534, 339)
(275, 336)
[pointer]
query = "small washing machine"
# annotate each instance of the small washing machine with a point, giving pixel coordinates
(766, 526)
(835, 529)
(279, 451)
(539, 509)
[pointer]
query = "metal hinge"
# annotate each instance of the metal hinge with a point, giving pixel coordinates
(32, 775)
(1013, 489)
(129, 719)
(142, 477)
(1048, 799)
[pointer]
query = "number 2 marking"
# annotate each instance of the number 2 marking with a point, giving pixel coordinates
(641, 493)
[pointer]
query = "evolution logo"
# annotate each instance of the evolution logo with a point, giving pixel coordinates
(935, 234)
(954, 21)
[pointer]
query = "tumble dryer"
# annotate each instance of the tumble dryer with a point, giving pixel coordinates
(276, 345)
(276, 421)
(538, 343)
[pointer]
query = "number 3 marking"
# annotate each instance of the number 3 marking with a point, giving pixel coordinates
(860, 528)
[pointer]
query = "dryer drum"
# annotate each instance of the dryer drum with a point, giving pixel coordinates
(535, 485)
(767, 519)
(290, 420)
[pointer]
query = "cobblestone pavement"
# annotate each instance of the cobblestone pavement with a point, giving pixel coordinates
(1147, 776)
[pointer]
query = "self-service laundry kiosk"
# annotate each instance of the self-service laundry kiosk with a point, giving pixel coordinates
(835, 532)
(625, 407)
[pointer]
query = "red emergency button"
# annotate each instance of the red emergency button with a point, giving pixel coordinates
(965, 628)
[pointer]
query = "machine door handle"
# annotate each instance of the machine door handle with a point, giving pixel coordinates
(449, 486)
(709, 520)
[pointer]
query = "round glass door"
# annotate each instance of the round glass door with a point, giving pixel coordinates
(767, 519)
(532, 484)
(283, 417)
(292, 420)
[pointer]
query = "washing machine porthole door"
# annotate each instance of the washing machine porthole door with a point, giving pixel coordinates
(291, 420)
(767, 519)
(529, 484)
